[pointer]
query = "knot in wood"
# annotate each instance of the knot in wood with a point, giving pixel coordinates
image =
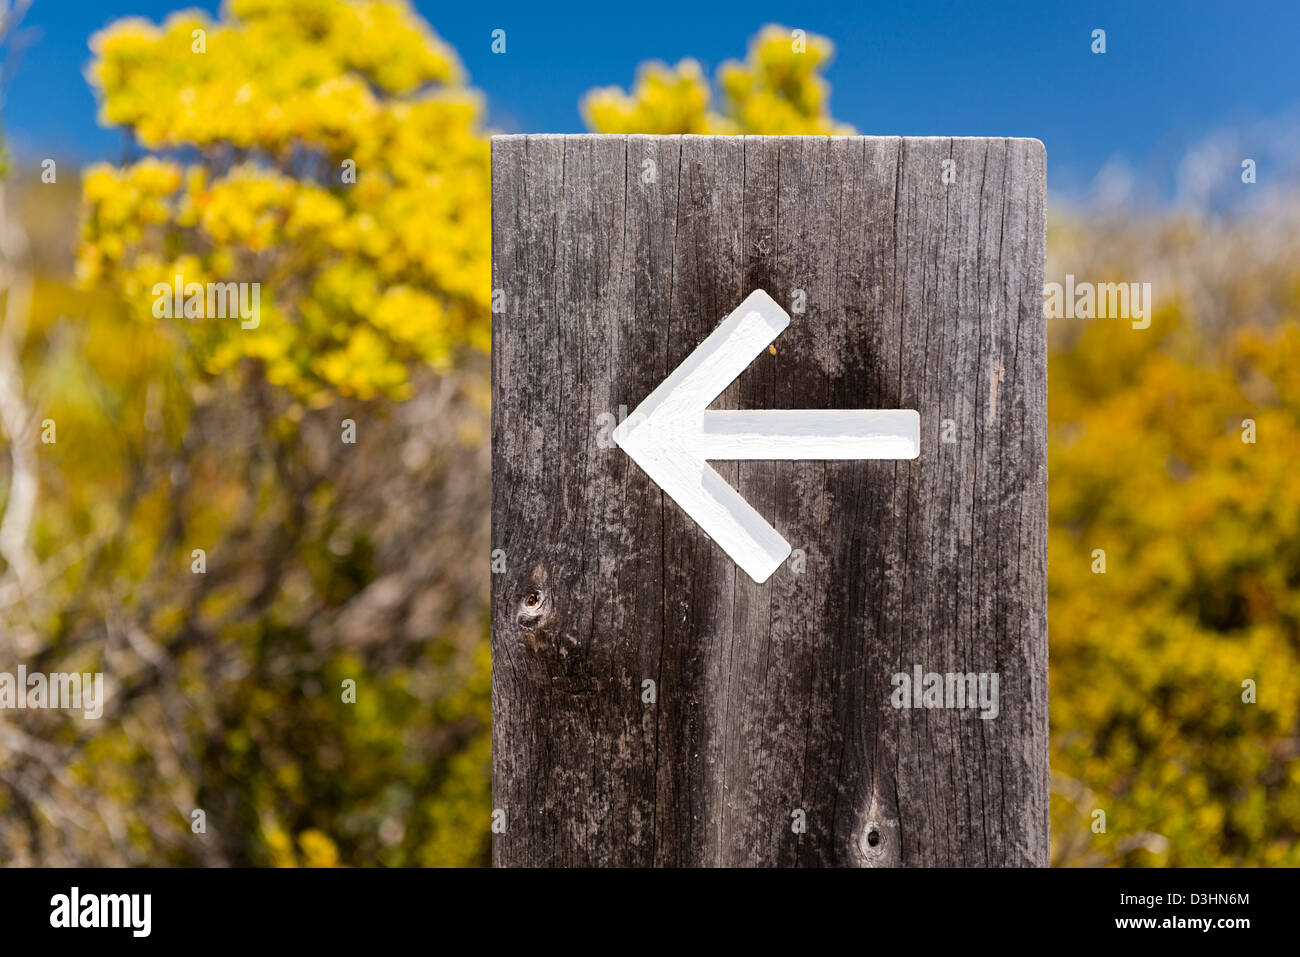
(534, 610)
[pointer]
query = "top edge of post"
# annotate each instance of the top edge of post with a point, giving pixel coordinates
(565, 137)
(754, 135)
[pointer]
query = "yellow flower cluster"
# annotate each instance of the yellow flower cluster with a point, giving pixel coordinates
(778, 89)
(272, 72)
(321, 148)
(665, 100)
(1154, 463)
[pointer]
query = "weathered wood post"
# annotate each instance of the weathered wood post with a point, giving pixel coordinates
(881, 698)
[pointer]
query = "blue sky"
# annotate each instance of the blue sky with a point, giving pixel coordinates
(1215, 80)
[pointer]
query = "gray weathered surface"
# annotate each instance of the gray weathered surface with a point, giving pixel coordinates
(771, 697)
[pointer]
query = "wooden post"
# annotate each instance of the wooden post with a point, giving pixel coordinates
(652, 703)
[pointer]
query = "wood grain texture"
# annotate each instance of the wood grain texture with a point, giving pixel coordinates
(771, 698)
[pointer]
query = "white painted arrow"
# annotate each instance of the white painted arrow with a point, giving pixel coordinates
(672, 434)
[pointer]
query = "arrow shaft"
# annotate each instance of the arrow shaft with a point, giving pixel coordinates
(807, 434)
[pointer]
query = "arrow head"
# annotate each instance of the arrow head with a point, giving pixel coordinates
(658, 435)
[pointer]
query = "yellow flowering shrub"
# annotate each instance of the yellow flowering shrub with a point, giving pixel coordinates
(329, 151)
(326, 150)
(1154, 461)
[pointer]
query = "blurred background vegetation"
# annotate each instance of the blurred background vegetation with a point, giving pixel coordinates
(328, 561)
